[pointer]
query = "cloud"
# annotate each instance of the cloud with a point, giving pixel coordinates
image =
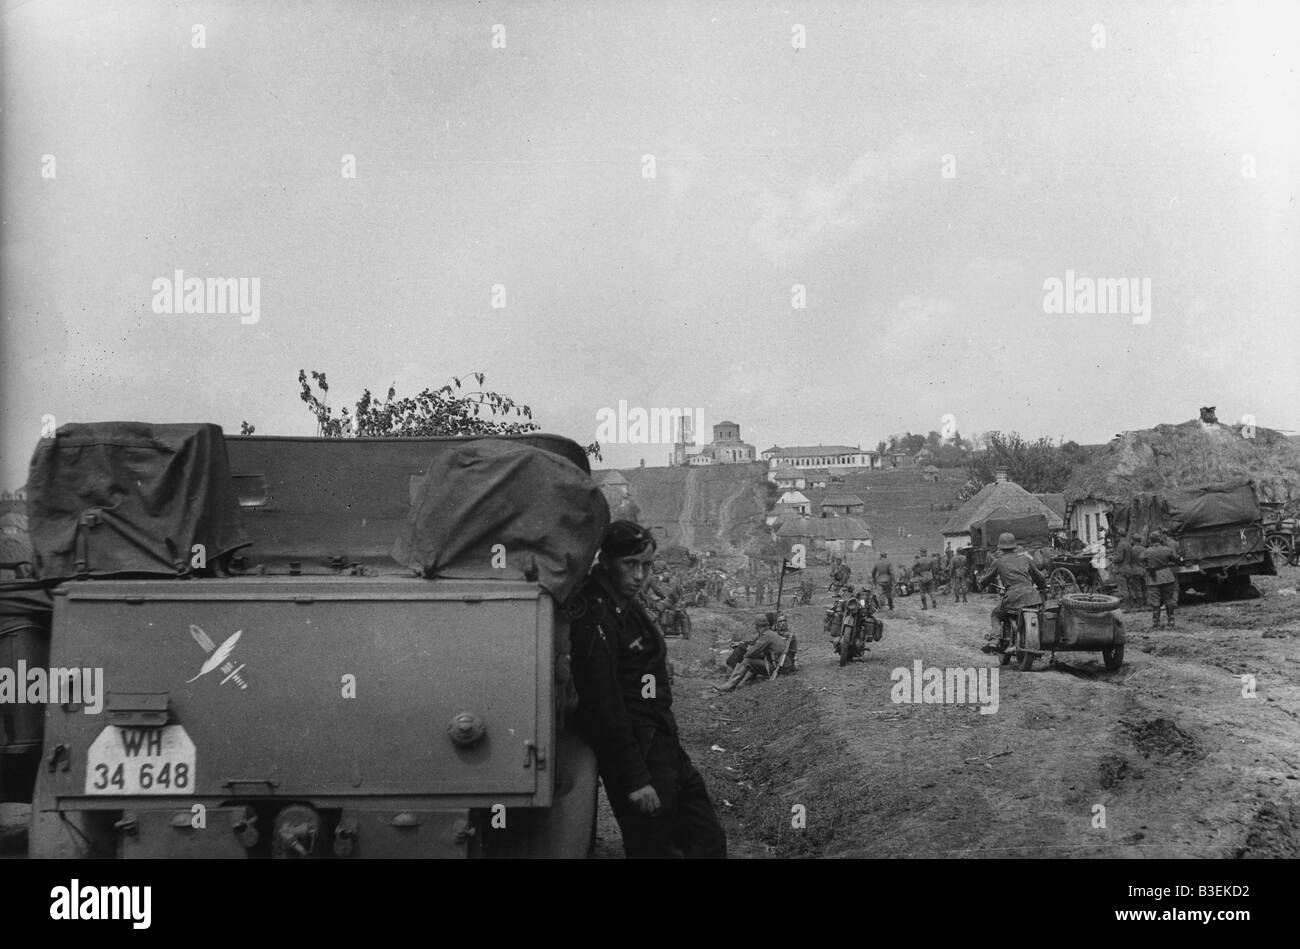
(790, 222)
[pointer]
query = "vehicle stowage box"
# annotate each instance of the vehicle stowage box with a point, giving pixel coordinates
(351, 695)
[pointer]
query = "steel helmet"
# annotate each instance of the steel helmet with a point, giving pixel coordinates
(1006, 541)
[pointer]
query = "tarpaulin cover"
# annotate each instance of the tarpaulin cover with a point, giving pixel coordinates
(1219, 505)
(130, 498)
(543, 511)
(24, 603)
(1029, 529)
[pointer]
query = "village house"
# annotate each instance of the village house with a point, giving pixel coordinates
(1004, 496)
(840, 504)
(787, 477)
(834, 535)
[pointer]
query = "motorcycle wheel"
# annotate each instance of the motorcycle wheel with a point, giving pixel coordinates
(684, 627)
(846, 649)
(1026, 657)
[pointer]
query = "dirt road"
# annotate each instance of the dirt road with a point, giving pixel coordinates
(1173, 755)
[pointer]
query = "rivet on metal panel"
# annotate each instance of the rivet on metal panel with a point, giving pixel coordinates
(405, 819)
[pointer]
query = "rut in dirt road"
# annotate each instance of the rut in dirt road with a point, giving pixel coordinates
(1164, 757)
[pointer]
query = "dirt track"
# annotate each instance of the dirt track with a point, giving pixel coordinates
(1183, 763)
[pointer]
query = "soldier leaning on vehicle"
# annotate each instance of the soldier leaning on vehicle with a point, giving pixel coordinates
(625, 708)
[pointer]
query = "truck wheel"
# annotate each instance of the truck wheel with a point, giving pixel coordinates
(1113, 656)
(1090, 602)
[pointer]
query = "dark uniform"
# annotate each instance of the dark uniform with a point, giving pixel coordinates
(924, 569)
(1162, 585)
(631, 726)
(883, 573)
(1125, 558)
(960, 578)
(1021, 580)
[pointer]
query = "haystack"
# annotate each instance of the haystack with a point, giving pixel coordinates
(1190, 455)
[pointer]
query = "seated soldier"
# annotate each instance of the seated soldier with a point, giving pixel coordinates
(760, 658)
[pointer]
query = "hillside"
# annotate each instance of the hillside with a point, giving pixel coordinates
(898, 498)
(704, 508)
(713, 507)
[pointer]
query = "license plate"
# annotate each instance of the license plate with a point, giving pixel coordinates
(141, 761)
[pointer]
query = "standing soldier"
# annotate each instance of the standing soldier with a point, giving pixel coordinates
(625, 708)
(924, 568)
(960, 577)
(1127, 570)
(1162, 585)
(883, 574)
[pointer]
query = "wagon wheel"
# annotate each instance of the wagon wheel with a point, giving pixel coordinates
(1279, 547)
(1060, 582)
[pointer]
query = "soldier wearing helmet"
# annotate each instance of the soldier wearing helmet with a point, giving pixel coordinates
(1022, 582)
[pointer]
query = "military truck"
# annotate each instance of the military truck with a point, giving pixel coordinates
(1219, 530)
(312, 647)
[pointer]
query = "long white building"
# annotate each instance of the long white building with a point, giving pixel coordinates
(822, 456)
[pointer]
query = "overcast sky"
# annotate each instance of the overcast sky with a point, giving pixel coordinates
(1147, 141)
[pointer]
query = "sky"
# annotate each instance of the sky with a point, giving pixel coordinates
(651, 189)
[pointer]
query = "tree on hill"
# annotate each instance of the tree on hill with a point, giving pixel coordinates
(1038, 466)
(446, 410)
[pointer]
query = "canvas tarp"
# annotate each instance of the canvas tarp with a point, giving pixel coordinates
(1030, 530)
(111, 499)
(543, 512)
(1181, 512)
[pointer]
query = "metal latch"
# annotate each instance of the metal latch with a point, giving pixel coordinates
(533, 752)
(138, 709)
(58, 756)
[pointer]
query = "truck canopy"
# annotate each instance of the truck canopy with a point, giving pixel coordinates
(1030, 530)
(1190, 510)
(114, 499)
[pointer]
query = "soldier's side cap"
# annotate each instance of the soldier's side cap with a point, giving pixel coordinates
(625, 539)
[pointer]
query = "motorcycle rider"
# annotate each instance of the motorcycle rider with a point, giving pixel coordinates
(1022, 582)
